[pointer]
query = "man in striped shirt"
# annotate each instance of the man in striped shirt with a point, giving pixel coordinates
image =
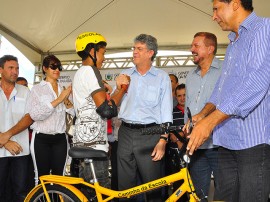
(238, 110)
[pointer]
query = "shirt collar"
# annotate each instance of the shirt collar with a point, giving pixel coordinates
(44, 83)
(152, 70)
(15, 87)
(214, 64)
(245, 25)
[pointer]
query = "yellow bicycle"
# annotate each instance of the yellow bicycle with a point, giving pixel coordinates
(65, 189)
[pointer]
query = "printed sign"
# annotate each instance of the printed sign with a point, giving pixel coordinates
(110, 75)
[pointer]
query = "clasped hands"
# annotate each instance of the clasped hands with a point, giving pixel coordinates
(122, 81)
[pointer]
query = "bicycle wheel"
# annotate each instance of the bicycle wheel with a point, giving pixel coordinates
(56, 193)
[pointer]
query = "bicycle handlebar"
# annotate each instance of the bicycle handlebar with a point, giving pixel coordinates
(166, 128)
(160, 129)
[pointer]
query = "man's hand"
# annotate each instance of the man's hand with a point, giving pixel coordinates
(13, 147)
(122, 79)
(159, 150)
(199, 135)
(4, 138)
(195, 119)
(203, 129)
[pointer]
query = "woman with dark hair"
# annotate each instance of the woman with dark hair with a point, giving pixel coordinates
(47, 105)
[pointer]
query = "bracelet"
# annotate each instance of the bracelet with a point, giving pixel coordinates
(164, 138)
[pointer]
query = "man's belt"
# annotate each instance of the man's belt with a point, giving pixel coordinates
(138, 126)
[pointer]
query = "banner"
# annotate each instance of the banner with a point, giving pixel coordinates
(110, 75)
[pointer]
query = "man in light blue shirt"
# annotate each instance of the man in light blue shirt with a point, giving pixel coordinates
(200, 83)
(238, 110)
(148, 102)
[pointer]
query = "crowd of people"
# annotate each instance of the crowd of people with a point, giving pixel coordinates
(229, 101)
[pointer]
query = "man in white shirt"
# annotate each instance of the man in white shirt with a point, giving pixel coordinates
(14, 149)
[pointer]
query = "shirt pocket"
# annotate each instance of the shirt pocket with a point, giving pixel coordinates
(150, 96)
(18, 109)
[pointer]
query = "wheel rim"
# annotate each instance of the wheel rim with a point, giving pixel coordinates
(55, 196)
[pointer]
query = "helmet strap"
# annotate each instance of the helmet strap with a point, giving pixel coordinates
(95, 55)
(93, 58)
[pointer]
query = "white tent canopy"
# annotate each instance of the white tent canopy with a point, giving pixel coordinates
(39, 27)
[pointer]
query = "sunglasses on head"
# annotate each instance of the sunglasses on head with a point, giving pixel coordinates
(56, 66)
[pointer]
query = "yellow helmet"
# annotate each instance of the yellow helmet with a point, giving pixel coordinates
(86, 38)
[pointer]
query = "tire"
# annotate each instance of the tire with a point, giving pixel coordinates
(56, 193)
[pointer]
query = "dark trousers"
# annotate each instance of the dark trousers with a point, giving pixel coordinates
(50, 154)
(15, 169)
(113, 158)
(134, 154)
(243, 175)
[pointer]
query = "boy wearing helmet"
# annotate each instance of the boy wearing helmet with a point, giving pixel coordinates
(90, 100)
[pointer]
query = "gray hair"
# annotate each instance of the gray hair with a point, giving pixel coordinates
(150, 41)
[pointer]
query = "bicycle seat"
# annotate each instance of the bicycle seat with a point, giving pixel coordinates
(86, 152)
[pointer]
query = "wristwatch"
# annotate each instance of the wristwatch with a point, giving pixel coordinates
(164, 138)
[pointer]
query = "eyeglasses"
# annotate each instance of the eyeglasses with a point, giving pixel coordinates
(56, 66)
(138, 49)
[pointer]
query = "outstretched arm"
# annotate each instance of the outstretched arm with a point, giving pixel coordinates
(100, 96)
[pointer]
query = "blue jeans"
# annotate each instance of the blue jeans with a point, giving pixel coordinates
(203, 163)
(244, 175)
(78, 168)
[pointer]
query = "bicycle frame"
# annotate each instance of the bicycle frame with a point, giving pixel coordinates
(109, 194)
